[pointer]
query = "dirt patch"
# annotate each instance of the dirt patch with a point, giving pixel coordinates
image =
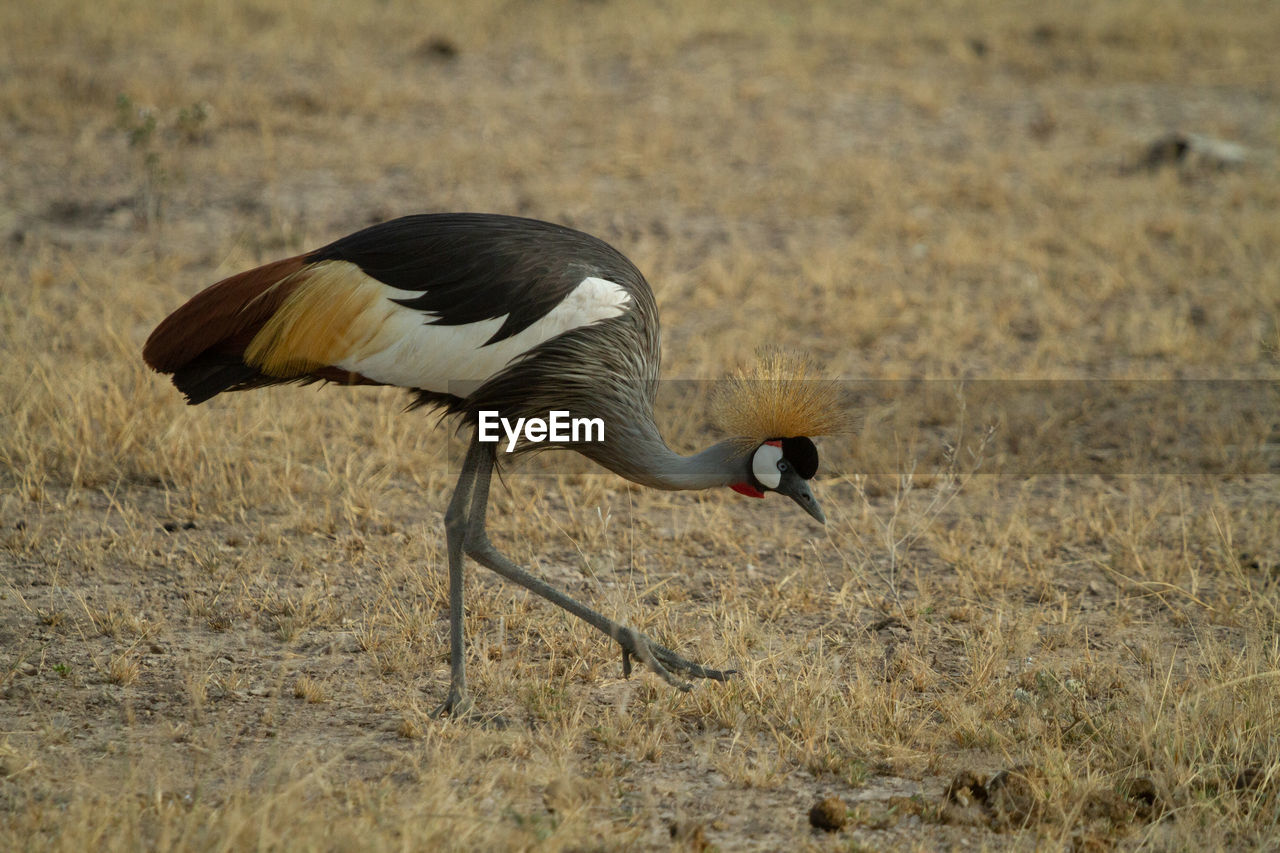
(225, 627)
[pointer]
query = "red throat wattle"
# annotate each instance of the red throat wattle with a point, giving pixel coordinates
(747, 489)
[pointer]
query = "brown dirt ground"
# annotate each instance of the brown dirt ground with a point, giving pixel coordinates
(224, 627)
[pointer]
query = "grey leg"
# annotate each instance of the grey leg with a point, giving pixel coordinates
(455, 526)
(634, 644)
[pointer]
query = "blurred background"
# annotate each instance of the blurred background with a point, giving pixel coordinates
(904, 190)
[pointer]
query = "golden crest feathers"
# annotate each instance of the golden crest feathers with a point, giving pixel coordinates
(778, 397)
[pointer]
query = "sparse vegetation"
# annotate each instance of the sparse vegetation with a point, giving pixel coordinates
(224, 627)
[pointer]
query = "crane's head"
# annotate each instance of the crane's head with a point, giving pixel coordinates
(785, 466)
(771, 410)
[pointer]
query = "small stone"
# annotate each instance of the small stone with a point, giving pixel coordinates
(689, 835)
(438, 48)
(828, 815)
(966, 789)
(1193, 150)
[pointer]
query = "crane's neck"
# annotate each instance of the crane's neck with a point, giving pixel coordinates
(641, 455)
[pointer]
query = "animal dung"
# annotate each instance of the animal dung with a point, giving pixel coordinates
(829, 815)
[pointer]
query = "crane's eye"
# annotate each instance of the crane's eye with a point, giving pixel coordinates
(782, 465)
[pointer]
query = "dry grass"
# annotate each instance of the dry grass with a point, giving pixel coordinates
(224, 627)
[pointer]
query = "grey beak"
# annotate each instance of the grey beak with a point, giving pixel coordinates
(797, 488)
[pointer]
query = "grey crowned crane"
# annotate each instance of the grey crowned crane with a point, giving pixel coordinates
(487, 313)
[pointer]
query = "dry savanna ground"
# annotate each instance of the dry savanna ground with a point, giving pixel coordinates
(224, 628)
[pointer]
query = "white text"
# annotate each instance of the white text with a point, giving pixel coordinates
(557, 427)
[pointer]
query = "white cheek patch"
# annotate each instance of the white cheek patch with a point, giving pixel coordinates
(765, 465)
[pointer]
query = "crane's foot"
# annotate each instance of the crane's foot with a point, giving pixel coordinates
(662, 661)
(457, 704)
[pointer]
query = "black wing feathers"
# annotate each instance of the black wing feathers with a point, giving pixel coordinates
(472, 267)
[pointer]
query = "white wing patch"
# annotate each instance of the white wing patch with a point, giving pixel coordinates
(404, 350)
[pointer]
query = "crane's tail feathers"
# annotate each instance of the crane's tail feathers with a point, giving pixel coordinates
(205, 378)
(287, 321)
(202, 343)
(220, 319)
